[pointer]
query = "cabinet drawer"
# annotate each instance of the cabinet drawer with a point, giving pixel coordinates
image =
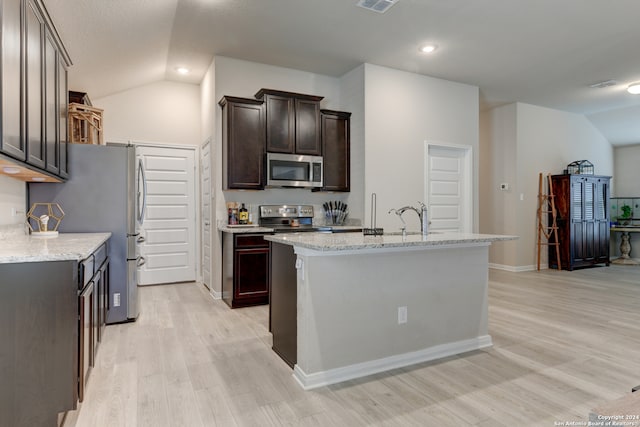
(100, 255)
(251, 241)
(86, 271)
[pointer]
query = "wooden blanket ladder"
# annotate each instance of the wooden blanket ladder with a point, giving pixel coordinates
(548, 228)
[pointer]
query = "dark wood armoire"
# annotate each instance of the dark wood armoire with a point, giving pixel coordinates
(582, 203)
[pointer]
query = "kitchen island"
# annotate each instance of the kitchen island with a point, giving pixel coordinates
(346, 305)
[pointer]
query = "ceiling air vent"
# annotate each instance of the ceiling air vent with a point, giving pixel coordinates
(603, 84)
(380, 6)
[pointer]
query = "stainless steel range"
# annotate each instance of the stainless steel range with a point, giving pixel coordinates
(287, 218)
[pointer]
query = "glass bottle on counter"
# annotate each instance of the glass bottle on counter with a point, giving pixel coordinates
(243, 215)
(233, 216)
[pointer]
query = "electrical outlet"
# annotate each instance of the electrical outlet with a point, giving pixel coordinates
(402, 315)
(116, 300)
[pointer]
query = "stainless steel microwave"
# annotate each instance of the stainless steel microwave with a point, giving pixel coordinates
(293, 170)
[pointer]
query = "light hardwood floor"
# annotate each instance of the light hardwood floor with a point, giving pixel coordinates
(564, 342)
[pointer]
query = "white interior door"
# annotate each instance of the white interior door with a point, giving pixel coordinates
(169, 227)
(449, 195)
(205, 188)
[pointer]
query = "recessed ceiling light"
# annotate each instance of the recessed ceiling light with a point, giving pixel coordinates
(10, 170)
(38, 179)
(182, 70)
(634, 88)
(428, 48)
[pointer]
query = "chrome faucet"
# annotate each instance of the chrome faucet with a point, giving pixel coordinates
(422, 214)
(404, 224)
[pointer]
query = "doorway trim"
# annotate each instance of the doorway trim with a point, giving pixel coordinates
(196, 191)
(206, 189)
(467, 163)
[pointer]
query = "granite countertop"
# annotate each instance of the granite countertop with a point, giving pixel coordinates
(342, 228)
(355, 241)
(64, 247)
(244, 229)
(256, 229)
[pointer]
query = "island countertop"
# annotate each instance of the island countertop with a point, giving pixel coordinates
(357, 241)
(247, 229)
(64, 247)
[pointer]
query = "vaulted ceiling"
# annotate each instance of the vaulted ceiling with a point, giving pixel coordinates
(542, 52)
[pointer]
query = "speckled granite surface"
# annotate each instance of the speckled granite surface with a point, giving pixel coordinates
(355, 241)
(64, 247)
(13, 230)
(237, 230)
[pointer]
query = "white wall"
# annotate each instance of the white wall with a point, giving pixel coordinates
(626, 184)
(208, 104)
(12, 196)
(402, 111)
(352, 100)
(162, 112)
(545, 140)
(627, 177)
(498, 165)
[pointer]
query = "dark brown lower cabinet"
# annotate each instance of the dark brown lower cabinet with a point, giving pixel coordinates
(246, 265)
(103, 299)
(93, 306)
(39, 336)
(283, 307)
(52, 315)
(86, 337)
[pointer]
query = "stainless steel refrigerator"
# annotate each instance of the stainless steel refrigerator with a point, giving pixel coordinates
(106, 191)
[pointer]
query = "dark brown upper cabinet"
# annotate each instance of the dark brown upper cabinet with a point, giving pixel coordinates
(34, 87)
(336, 148)
(51, 122)
(11, 141)
(292, 122)
(63, 116)
(33, 70)
(243, 143)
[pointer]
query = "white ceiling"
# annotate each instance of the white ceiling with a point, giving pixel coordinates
(541, 52)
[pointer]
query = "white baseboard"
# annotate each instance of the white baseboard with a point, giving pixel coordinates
(333, 376)
(519, 269)
(215, 294)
